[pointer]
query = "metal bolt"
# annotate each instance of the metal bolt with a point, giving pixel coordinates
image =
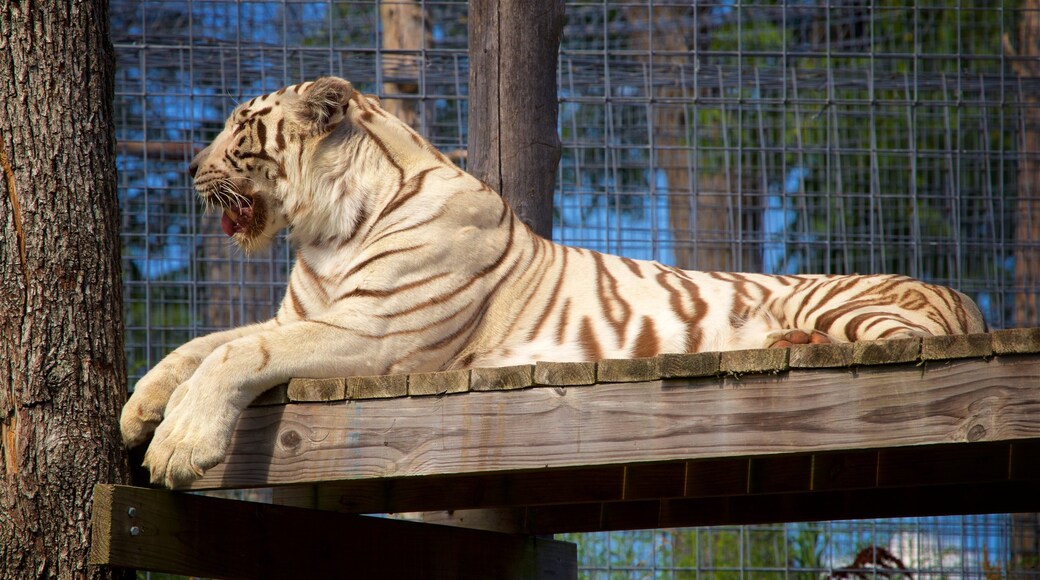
(135, 531)
(132, 512)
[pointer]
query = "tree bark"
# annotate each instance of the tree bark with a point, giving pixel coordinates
(61, 329)
(700, 205)
(513, 106)
(404, 36)
(1025, 528)
(1027, 229)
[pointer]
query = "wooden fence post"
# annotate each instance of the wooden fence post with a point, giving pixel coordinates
(513, 142)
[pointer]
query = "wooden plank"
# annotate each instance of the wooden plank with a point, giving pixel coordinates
(564, 374)
(377, 387)
(700, 364)
(202, 536)
(629, 370)
(438, 383)
(502, 378)
(881, 352)
(317, 390)
(559, 427)
(819, 356)
(956, 346)
(1016, 341)
(759, 360)
(277, 395)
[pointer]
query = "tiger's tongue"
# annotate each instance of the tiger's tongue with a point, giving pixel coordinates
(227, 224)
(235, 220)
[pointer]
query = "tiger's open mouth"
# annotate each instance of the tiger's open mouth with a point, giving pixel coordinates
(238, 218)
(243, 212)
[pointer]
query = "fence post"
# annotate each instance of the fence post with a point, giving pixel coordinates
(513, 142)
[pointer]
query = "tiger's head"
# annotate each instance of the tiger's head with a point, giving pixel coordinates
(254, 171)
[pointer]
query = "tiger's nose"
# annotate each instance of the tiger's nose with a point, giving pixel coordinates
(193, 167)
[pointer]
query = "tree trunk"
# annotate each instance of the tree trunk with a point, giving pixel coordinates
(404, 36)
(61, 329)
(1025, 528)
(1027, 229)
(513, 106)
(701, 210)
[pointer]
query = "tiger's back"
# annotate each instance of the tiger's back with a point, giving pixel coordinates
(589, 306)
(407, 263)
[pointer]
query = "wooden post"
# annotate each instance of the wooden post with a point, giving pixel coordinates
(513, 142)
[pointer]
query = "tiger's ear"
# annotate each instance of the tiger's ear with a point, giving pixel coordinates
(324, 103)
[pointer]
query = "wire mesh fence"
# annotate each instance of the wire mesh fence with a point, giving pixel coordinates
(796, 136)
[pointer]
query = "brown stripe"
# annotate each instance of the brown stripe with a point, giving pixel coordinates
(386, 151)
(318, 280)
(647, 343)
(366, 262)
(440, 299)
(633, 266)
(279, 134)
(698, 310)
(265, 355)
(587, 339)
(610, 298)
(372, 293)
(417, 182)
(300, 310)
(555, 291)
(561, 327)
(389, 230)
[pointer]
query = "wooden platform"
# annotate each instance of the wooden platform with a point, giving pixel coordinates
(812, 432)
(945, 425)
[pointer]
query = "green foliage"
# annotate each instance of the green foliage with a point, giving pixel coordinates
(888, 112)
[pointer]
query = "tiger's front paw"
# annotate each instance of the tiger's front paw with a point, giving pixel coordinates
(138, 421)
(144, 411)
(191, 440)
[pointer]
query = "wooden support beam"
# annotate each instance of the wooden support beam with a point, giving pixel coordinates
(990, 477)
(202, 536)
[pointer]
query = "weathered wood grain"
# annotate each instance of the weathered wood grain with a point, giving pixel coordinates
(1016, 340)
(796, 412)
(762, 360)
(377, 387)
(695, 365)
(956, 346)
(316, 390)
(513, 142)
(883, 352)
(438, 383)
(820, 356)
(202, 536)
(564, 374)
(502, 378)
(630, 370)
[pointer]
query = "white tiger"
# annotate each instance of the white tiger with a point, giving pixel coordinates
(406, 263)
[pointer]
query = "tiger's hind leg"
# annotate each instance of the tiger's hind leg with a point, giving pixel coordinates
(786, 338)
